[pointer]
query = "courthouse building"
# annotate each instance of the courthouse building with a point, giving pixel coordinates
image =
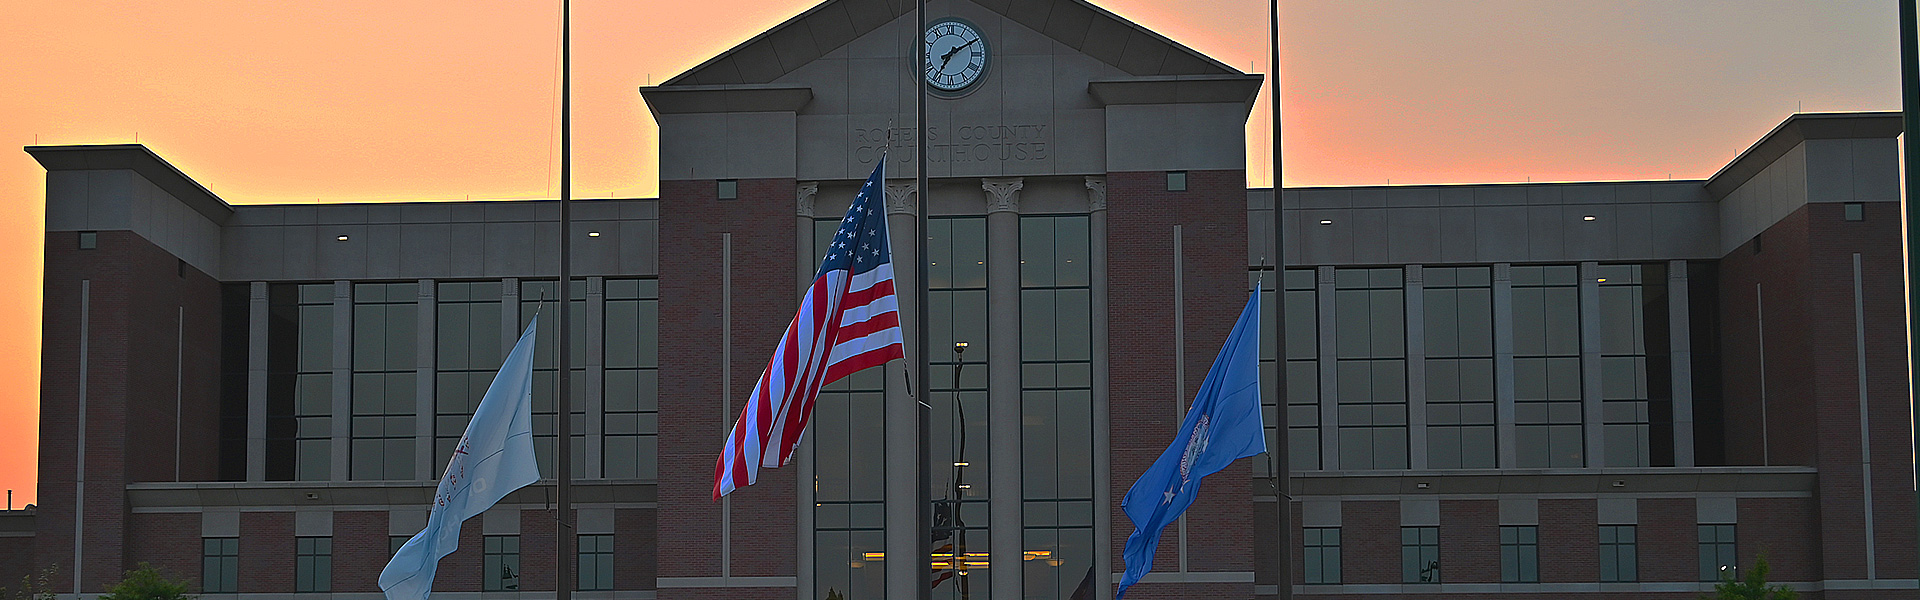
(1555, 390)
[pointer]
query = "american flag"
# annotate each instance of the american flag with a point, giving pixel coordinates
(848, 321)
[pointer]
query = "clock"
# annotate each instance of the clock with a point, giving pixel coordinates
(956, 56)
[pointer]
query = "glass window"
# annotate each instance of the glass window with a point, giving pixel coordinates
(848, 443)
(1420, 554)
(1520, 554)
(1302, 363)
(394, 542)
(1619, 554)
(300, 381)
(632, 372)
(1459, 386)
(219, 565)
(1322, 556)
(1546, 363)
(596, 562)
(1719, 557)
(500, 563)
(546, 361)
(313, 564)
(1635, 382)
(469, 354)
(1056, 403)
(385, 335)
(1370, 347)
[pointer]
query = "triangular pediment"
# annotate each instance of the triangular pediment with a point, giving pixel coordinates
(830, 25)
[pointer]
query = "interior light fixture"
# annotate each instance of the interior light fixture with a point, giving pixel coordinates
(960, 464)
(1603, 280)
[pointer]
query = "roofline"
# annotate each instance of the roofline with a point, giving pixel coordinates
(1798, 128)
(139, 159)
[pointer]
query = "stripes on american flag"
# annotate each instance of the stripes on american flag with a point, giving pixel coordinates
(849, 320)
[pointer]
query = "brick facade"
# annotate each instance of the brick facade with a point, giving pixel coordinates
(1142, 391)
(695, 411)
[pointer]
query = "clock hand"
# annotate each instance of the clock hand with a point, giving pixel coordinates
(948, 57)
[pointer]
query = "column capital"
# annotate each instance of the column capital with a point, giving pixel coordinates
(803, 198)
(1413, 276)
(1003, 193)
(1503, 272)
(901, 197)
(1096, 194)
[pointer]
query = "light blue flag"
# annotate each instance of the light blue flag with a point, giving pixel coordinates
(1223, 425)
(495, 457)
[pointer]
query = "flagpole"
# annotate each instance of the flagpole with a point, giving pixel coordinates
(563, 402)
(1910, 109)
(1282, 463)
(923, 329)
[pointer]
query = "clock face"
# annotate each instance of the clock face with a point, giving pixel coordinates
(956, 55)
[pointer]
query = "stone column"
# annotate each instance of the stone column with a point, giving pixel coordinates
(1329, 372)
(426, 362)
(342, 418)
(1680, 330)
(1003, 382)
(593, 401)
(1102, 422)
(1416, 330)
(1590, 403)
(257, 319)
(803, 463)
(1506, 436)
(904, 539)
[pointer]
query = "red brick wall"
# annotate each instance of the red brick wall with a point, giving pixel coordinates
(16, 561)
(460, 571)
(1787, 531)
(1813, 412)
(136, 289)
(1370, 542)
(537, 559)
(1470, 541)
(1669, 539)
(168, 541)
(359, 550)
(266, 552)
(635, 548)
(1141, 215)
(691, 424)
(1569, 541)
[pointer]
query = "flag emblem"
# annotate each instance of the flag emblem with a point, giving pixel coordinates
(848, 320)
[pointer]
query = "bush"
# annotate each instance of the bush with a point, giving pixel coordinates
(1753, 588)
(148, 583)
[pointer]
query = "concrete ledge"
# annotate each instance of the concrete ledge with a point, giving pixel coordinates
(1798, 128)
(1730, 481)
(698, 99)
(139, 159)
(1178, 89)
(194, 497)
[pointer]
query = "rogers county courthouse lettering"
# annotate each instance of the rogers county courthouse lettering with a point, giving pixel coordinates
(960, 144)
(1566, 390)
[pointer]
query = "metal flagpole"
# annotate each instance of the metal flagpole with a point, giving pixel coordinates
(1910, 108)
(1282, 463)
(563, 402)
(923, 558)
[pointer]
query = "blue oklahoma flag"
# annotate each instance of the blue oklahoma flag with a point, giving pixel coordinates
(1222, 426)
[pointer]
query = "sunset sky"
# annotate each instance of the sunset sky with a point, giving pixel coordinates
(360, 100)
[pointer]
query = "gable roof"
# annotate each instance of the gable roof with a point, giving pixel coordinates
(1076, 24)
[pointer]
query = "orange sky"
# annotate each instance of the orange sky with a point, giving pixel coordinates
(359, 100)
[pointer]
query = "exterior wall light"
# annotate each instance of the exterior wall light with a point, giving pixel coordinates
(342, 237)
(593, 234)
(1588, 218)
(1326, 221)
